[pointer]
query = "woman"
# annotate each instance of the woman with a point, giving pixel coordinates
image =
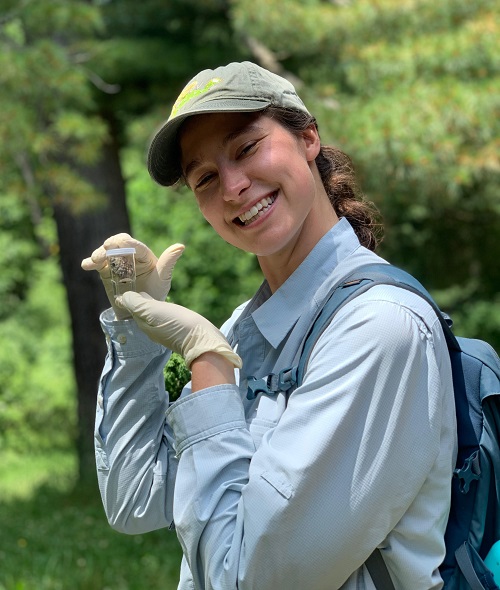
(288, 491)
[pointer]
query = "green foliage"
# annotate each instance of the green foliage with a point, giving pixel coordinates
(48, 107)
(302, 28)
(153, 47)
(419, 113)
(37, 401)
(176, 376)
(22, 474)
(480, 319)
(45, 119)
(56, 538)
(18, 248)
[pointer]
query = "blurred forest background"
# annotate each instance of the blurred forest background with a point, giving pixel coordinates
(409, 88)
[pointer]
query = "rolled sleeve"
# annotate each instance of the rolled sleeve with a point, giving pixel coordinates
(204, 414)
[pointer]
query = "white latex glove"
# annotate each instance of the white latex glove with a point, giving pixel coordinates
(153, 275)
(178, 328)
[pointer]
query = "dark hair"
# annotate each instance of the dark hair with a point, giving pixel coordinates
(338, 177)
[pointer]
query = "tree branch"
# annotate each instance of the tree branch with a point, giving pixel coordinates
(267, 59)
(100, 84)
(34, 207)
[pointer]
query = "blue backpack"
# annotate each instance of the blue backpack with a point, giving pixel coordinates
(474, 521)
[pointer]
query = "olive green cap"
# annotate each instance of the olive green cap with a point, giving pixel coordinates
(236, 88)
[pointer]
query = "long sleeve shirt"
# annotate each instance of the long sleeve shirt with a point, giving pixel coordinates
(291, 491)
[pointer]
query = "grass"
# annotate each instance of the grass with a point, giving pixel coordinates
(54, 536)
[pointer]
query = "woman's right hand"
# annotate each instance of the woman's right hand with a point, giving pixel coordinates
(153, 275)
(178, 328)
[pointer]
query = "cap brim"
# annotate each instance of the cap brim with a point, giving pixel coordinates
(164, 155)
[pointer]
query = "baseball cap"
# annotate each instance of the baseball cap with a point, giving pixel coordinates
(239, 87)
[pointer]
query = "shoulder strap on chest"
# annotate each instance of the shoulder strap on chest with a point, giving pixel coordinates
(355, 284)
(359, 281)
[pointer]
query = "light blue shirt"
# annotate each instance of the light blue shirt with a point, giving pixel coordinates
(291, 492)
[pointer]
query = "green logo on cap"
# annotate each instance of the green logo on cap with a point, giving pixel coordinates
(190, 92)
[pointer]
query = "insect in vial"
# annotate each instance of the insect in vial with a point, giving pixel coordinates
(121, 263)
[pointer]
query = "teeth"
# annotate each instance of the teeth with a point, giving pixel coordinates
(257, 209)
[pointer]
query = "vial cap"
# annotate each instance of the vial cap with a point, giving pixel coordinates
(120, 251)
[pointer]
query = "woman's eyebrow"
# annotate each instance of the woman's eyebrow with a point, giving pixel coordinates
(247, 128)
(190, 167)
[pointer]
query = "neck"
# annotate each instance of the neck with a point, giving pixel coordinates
(278, 267)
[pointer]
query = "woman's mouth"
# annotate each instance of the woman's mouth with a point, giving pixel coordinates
(256, 211)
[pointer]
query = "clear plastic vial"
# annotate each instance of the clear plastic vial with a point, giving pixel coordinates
(121, 263)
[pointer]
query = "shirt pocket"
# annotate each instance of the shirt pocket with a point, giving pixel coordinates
(279, 483)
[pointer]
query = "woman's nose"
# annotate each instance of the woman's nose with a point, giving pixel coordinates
(234, 181)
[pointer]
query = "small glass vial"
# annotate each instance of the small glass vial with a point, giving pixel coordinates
(121, 263)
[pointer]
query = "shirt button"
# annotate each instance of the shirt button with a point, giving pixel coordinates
(122, 339)
(100, 401)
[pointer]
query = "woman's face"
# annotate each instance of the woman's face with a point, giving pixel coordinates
(255, 182)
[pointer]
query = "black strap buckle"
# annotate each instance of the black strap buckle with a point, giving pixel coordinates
(470, 471)
(272, 384)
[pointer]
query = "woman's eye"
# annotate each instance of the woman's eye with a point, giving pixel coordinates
(247, 149)
(204, 180)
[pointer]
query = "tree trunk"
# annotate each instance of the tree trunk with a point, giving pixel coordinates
(79, 235)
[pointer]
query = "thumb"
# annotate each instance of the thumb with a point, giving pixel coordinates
(134, 302)
(167, 260)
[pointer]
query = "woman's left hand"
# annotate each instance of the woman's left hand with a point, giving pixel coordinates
(178, 328)
(154, 275)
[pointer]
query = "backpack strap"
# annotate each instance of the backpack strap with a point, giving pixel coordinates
(381, 578)
(355, 284)
(378, 571)
(465, 564)
(359, 281)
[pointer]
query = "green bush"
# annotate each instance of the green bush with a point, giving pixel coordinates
(37, 395)
(176, 376)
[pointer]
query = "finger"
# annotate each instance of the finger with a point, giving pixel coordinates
(143, 254)
(88, 264)
(118, 241)
(97, 260)
(167, 261)
(133, 301)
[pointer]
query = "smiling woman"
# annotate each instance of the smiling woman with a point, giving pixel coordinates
(261, 163)
(288, 490)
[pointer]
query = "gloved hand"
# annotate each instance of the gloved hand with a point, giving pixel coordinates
(178, 328)
(153, 275)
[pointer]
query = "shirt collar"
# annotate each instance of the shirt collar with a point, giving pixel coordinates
(275, 316)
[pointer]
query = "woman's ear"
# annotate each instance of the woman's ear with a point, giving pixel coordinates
(312, 142)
